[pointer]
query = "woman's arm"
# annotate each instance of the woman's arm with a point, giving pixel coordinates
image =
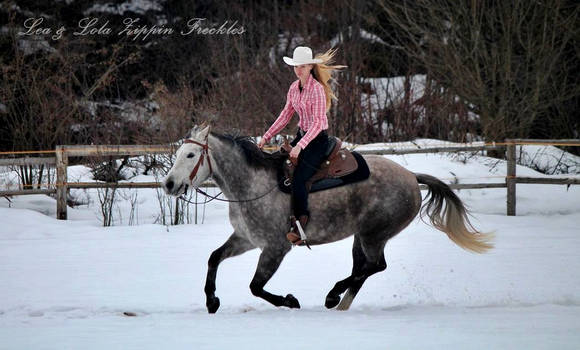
(282, 120)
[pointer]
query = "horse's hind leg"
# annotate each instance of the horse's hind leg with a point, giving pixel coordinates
(358, 260)
(235, 245)
(368, 270)
(364, 265)
(268, 264)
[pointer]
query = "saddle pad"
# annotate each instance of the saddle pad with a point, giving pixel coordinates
(362, 173)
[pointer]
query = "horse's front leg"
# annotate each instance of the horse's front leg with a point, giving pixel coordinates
(235, 245)
(269, 262)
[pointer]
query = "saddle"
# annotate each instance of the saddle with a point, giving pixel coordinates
(340, 167)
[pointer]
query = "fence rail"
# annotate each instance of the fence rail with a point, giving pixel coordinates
(28, 161)
(63, 153)
(394, 151)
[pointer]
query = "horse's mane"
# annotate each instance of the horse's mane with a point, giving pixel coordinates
(254, 156)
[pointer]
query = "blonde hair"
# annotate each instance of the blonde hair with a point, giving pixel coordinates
(322, 72)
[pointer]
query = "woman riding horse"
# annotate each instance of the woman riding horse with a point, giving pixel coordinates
(311, 97)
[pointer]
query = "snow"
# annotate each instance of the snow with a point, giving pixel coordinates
(142, 110)
(363, 34)
(285, 40)
(29, 47)
(549, 159)
(67, 284)
(391, 91)
(382, 93)
(137, 6)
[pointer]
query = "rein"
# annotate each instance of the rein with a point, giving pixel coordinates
(205, 153)
(224, 200)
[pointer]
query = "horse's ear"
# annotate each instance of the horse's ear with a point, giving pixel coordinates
(204, 133)
(193, 132)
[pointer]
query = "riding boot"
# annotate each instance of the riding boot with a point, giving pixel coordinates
(294, 235)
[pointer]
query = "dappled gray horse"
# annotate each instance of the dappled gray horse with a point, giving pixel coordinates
(374, 210)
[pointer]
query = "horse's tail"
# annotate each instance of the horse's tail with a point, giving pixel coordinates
(453, 217)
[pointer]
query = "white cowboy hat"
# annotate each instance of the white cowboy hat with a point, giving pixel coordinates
(302, 55)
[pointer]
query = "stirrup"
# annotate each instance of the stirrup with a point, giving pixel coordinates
(298, 239)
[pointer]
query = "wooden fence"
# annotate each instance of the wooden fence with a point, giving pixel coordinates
(63, 153)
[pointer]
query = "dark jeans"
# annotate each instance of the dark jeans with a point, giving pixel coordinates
(309, 161)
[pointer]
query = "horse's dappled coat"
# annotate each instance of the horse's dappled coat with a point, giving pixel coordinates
(373, 210)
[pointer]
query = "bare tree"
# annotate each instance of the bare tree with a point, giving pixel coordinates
(505, 59)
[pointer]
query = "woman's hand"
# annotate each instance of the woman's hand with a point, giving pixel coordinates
(295, 152)
(262, 143)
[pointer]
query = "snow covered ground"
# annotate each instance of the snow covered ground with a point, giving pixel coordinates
(67, 284)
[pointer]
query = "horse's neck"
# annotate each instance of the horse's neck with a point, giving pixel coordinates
(233, 175)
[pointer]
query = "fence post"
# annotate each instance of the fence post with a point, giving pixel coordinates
(61, 182)
(511, 177)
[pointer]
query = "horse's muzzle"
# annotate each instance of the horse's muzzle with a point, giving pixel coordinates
(173, 189)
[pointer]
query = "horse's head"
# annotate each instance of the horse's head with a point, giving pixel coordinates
(192, 164)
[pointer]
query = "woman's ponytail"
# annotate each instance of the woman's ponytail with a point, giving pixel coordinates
(322, 72)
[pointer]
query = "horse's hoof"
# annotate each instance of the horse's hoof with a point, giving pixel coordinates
(213, 304)
(331, 301)
(291, 302)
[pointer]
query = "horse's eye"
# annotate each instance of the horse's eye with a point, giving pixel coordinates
(190, 155)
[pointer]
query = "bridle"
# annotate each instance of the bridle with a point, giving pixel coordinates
(205, 153)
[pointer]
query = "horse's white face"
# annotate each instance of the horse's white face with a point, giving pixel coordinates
(187, 158)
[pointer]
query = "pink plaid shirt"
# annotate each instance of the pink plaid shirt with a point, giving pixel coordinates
(311, 107)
